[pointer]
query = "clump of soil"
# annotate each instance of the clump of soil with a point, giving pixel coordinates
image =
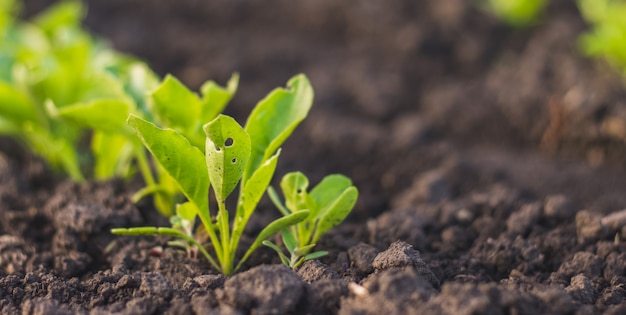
(489, 161)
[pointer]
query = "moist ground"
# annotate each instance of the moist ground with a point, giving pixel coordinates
(488, 160)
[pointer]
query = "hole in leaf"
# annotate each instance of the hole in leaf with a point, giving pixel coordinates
(299, 191)
(234, 160)
(229, 142)
(218, 149)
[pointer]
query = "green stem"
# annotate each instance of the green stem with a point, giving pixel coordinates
(228, 255)
(144, 168)
(210, 229)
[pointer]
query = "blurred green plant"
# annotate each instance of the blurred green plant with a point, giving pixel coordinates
(607, 37)
(59, 86)
(516, 13)
(51, 73)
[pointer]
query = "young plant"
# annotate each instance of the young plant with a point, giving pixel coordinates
(295, 255)
(517, 13)
(328, 203)
(607, 37)
(233, 156)
(164, 104)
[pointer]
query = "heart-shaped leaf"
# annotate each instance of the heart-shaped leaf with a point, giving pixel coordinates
(227, 154)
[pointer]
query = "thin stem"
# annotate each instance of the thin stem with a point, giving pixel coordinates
(144, 168)
(210, 229)
(225, 237)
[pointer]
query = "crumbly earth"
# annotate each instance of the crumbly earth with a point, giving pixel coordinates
(489, 161)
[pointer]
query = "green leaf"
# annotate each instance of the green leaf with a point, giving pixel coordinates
(294, 186)
(301, 251)
(326, 192)
(253, 188)
(182, 161)
(274, 119)
(113, 155)
(227, 154)
(215, 98)
(271, 192)
(175, 105)
(105, 115)
(336, 212)
(137, 79)
(8, 128)
(187, 211)
(15, 105)
(517, 13)
(273, 228)
(316, 255)
(147, 191)
(277, 249)
(57, 151)
(252, 193)
(290, 241)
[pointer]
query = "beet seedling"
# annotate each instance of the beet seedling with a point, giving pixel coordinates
(233, 156)
(164, 104)
(328, 203)
(607, 37)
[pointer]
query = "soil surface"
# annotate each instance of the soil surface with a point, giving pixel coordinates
(490, 163)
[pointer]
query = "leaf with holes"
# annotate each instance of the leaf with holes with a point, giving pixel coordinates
(227, 154)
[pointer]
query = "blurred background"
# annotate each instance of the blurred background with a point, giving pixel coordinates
(433, 93)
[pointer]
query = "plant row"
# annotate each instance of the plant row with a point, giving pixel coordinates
(92, 112)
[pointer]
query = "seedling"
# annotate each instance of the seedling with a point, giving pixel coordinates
(164, 104)
(296, 255)
(607, 37)
(328, 203)
(233, 156)
(517, 13)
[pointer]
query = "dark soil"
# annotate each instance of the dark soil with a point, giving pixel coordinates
(490, 163)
